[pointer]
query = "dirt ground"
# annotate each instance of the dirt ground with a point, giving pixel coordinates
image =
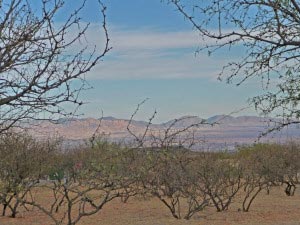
(273, 209)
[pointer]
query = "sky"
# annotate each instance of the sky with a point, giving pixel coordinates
(153, 56)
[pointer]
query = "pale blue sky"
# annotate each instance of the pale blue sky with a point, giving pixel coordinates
(153, 57)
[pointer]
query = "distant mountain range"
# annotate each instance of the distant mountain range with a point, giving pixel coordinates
(226, 132)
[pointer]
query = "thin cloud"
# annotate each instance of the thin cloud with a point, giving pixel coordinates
(128, 39)
(154, 40)
(141, 39)
(150, 53)
(154, 66)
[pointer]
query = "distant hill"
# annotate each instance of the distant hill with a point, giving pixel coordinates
(184, 121)
(227, 131)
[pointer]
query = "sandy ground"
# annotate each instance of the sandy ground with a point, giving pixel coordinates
(273, 209)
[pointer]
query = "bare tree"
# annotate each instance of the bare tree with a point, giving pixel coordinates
(219, 178)
(263, 168)
(165, 164)
(37, 61)
(268, 33)
(287, 166)
(169, 175)
(23, 163)
(83, 181)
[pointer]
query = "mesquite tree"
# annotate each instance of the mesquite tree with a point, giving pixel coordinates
(23, 162)
(267, 34)
(40, 58)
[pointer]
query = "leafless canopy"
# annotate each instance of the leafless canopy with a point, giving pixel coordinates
(38, 65)
(267, 31)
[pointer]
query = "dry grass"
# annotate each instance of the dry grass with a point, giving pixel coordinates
(273, 209)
